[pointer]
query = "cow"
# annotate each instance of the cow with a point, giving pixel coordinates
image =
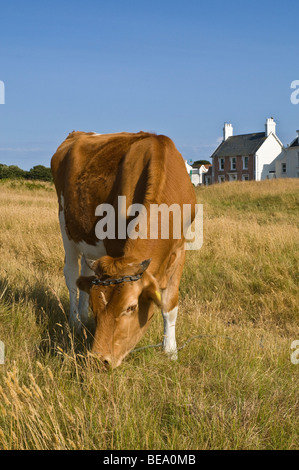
(122, 278)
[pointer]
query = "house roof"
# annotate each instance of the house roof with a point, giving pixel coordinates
(246, 144)
(295, 143)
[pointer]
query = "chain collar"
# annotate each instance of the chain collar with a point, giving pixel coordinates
(109, 282)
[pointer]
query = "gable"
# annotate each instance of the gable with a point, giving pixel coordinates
(295, 142)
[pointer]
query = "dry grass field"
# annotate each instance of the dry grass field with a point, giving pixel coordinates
(235, 387)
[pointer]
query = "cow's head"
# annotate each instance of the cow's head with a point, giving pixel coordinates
(123, 309)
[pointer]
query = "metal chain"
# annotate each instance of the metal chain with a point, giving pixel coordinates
(184, 345)
(109, 282)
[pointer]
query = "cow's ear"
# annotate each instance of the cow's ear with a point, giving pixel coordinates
(152, 293)
(85, 283)
(151, 289)
(95, 266)
(142, 267)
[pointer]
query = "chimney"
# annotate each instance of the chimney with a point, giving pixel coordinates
(270, 126)
(227, 131)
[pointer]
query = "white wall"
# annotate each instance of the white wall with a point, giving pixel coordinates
(290, 158)
(196, 178)
(188, 167)
(265, 157)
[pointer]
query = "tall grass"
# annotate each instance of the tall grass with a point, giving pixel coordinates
(234, 387)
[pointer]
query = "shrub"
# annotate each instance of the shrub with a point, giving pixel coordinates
(38, 172)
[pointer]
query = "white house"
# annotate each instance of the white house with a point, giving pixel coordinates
(247, 156)
(287, 164)
(196, 174)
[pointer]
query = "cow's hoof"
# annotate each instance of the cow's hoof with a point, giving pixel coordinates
(172, 355)
(75, 324)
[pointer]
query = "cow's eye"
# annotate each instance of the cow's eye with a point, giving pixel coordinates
(131, 309)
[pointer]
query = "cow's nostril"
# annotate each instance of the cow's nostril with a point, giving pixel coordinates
(106, 363)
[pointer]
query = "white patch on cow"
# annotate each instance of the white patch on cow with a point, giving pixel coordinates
(73, 251)
(92, 251)
(169, 341)
(94, 134)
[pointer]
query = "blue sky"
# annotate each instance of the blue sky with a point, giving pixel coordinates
(180, 68)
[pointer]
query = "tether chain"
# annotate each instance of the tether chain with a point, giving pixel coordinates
(184, 345)
(109, 282)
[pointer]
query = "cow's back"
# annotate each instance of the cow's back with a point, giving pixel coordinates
(90, 169)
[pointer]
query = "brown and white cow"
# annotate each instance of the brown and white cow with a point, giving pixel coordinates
(90, 169)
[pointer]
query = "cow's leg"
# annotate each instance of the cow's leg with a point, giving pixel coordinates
(83, 296)
(71, 271)
(170, 305)
(169, 341)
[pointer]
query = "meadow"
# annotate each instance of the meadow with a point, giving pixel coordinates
(234, 385)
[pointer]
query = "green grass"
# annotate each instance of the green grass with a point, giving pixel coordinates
(234, 387)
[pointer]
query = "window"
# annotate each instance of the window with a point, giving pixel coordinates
(221, 179)
(245, 177)
(208, 180)
(245, 163)
(284, 167)
(221, 164)
(233, 163)
(232, 177)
